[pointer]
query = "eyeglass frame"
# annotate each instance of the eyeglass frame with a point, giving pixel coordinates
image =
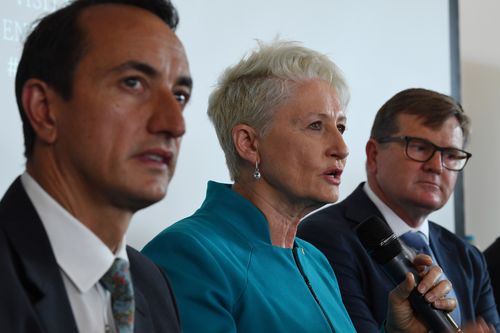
(406, 139)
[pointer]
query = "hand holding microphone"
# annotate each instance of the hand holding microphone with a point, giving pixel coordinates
(417, 304)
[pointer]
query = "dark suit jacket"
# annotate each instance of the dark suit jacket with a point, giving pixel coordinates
(32, 294)
(492, 255)
(364, 285)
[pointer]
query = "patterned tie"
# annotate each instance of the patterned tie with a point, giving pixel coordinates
(417, 241)
(118, 282)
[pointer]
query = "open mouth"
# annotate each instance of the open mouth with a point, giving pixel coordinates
(334, 173)
(333, 176)
(156, 158)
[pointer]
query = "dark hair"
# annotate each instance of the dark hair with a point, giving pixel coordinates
(432, 107)
(56, 44)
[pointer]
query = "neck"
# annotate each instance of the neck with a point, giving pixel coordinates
(412, 216)
(282, 216)
(88, 207)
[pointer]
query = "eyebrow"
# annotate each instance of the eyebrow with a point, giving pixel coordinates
(137, 65)
(151, 71)
(340, 118)
(185, 81)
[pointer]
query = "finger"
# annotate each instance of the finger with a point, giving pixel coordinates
(439, 291)
(422, 260)
(430, 279)
(403, 290)
(445, 304)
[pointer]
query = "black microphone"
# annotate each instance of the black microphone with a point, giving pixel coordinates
(387, 250)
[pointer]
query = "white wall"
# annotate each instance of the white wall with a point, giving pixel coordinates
(383, 46)
(480, 67)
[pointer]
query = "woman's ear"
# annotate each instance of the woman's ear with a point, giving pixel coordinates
(246, 142)
(371, 150)
(36, 98)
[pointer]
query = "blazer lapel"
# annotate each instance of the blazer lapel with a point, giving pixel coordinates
(359, 207)
(446, 258)
(142, 317)
(39, 271)
(142, 321)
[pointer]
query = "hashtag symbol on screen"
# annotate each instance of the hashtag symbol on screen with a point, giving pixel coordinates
(12, 66)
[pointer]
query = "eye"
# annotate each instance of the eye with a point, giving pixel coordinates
(454, 155)
(420, 145)
(317, 125)
(341, 128)
(132, 83)
(182, 97)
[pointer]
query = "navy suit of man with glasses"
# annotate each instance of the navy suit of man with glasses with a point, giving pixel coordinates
(413, 157)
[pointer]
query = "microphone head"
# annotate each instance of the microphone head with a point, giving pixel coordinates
(378, 239)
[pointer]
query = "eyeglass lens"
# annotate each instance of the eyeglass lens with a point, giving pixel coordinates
(422, 151)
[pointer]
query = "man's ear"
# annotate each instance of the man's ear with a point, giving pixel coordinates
(371, 150)
(37, 98)
(246, 142)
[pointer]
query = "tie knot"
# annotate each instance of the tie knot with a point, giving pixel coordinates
(416, 240)
(117, 276)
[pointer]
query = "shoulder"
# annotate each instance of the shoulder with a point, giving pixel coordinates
(145, 272)
(340, 218)
(455, 246)
(451, 239)
(196, 235)
(141, 265)
(194, 247)
(329, 228)
(492, 253)
(326, 222)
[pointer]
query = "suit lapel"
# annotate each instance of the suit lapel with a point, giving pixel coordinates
(358, 207)
(142, 320)
(446, 257)
(39, 271)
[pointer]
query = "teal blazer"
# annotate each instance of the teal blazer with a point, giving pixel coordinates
(228, 277)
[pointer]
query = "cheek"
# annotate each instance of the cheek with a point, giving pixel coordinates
(450, 181)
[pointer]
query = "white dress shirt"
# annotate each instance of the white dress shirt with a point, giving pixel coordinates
(397, 225)
(82, 258)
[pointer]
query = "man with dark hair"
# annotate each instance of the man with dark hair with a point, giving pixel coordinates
(414, 155)
(101, 87)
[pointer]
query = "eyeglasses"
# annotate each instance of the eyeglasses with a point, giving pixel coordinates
(422, 150)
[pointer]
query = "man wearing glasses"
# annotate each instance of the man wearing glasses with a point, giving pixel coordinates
(414, 155)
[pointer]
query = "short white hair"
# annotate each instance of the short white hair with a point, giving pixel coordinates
(250, 91)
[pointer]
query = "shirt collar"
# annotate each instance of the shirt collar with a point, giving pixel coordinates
(397, 225)
(82, 256)
(234, 209)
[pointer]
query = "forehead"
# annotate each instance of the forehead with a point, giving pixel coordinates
(312, 97)
(449, 134)
(114, 33)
